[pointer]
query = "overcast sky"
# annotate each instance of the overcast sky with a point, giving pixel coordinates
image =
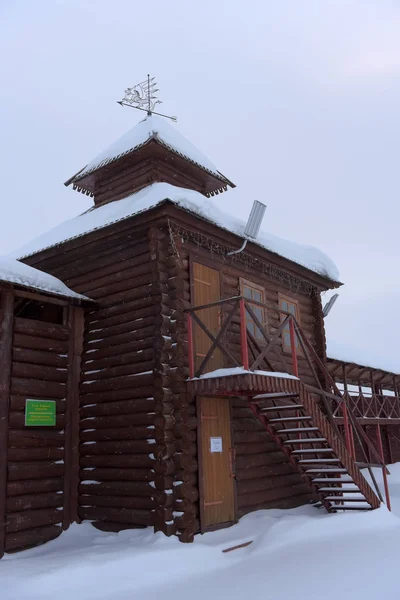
(296, 101)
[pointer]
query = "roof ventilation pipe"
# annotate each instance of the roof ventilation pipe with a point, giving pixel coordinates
(329, 305)
(252, 226)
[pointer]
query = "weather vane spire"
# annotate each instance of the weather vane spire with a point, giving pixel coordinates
(142, 96)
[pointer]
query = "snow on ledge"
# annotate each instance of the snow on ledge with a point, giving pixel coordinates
(13, 271)
(242, 371)
(309, 257)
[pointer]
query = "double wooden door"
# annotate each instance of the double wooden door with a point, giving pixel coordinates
(215, 441)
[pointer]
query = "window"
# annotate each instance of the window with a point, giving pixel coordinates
(252, 291)
(292, 307)
(39, 311)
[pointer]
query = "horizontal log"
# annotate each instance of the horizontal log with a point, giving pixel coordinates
(32, 537)
(33, 501)
(34, 470)
(114, 474)
(252, 437)
(133, 294)
(29, 371)
(123, 407)
(257, 448)
(116, 395)
(41, 329)
(118, 461)
(117, 372)
(136, 288)
(117, 515)
(96, 354)
(118, 383)
(100, 257)
(119, 360)
(28, 519)
(282, 503)
(122, 433)
(35, 454)
(40, 343)
(256, 460)
(270, 470)
(119, 447)
(116, 421)
(113, 274)
(116, 501)
(118, 488)
(110, 312)
(38, 434)
(42, 389)
(251, 424)
(272, 495)
(116, 340)
(130, 324)
(40, 357)
(249, 486)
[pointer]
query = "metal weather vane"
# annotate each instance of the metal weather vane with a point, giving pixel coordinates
(142, 96)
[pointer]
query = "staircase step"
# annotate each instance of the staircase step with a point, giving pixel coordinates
(316, 461)
(332, 470)
(341, 507)
(306, 441)
(289, 419)
(298, 430)
(313, 451)
(280, 408)
(339, 499)
(331, 480)
(273, 396)
(330, 490)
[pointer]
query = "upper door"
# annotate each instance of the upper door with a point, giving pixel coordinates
(206, 289)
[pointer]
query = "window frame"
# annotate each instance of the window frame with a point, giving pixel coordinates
(287, 348)
(264, 321)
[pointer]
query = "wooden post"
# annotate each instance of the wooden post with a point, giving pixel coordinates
(243, 335)
(6, 338)
(71, 473)
(190, 344)
(384, 474)
(293, 345)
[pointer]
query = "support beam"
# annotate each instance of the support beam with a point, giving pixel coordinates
(6, 337)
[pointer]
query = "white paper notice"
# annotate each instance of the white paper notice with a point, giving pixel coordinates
(215, 444)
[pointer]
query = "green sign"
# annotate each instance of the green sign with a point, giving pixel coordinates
(40, 413)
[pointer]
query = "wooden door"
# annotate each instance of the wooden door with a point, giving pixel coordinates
(217, 483)
(218, 501)
(206, 289)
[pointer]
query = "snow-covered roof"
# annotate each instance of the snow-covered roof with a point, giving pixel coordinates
(152, 127)
(364, 357)
(13, 271)
(189, 200)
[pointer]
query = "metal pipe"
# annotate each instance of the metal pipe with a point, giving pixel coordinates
(242, 247)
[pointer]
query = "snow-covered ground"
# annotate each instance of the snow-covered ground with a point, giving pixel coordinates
(300, 554)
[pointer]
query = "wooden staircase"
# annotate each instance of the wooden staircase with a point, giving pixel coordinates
(297, 424)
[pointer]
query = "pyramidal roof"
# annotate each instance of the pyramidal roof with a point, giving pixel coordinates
(151, 127)
(191, 201)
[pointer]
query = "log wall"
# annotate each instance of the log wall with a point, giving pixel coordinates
(38, 360)
(121, 398)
